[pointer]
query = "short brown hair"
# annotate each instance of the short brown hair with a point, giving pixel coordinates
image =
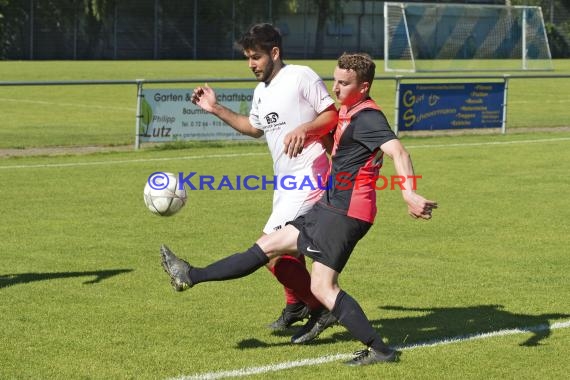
(361, 63)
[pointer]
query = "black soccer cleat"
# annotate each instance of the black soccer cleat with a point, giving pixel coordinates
(291, 314)
(371, 356)
(320, 320)
(177, 269)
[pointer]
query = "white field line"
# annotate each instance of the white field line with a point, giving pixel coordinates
(138, 160)
(333, 358)
(489, 143)
(231, 155)
(43, 102)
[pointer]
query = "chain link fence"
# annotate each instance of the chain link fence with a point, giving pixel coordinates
(205, 29)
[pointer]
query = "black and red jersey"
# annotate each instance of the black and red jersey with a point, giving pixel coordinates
(357, 159)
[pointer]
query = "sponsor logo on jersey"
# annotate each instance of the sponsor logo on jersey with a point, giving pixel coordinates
(272, 120)
(272, 117)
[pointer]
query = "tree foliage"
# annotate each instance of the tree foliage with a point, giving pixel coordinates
(97, 8)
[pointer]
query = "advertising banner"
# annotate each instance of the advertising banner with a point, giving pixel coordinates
(426, 107)
(167, 115)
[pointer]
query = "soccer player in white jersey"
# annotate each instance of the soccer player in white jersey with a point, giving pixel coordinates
(287, 97)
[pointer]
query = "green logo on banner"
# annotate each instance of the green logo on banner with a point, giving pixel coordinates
(146, 117)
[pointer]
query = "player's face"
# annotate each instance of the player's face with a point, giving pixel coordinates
(261, 63)
(346, 87)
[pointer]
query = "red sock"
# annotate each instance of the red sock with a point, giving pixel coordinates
(293, 274)
(290, 297)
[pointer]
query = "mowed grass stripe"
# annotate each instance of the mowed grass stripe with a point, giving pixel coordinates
(233, 155)
(138, 160)
(62, 104)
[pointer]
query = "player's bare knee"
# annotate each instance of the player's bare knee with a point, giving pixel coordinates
(265, 243)
(279, 243)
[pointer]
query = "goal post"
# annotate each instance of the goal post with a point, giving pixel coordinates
(464, 37)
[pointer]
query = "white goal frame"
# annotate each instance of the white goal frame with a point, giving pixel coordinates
(529, 50)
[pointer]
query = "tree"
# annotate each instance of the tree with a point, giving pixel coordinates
(97, 8)
(323, 14)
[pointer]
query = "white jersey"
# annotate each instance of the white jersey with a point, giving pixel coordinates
(296, 95)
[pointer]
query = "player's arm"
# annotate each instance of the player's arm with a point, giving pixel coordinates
(328, 142)
(418, 206)
(237, 121)
(320, 126)
(205, 98)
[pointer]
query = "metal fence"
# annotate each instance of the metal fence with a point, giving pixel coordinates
(199, 29)
(135, 115)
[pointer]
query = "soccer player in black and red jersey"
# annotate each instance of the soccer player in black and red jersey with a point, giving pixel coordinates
(329, 232)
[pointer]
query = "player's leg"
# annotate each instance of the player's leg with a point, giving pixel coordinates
(292, 273)
(329, 239)
(184, 275)
(349, 314)
(289, 270)
(318, 232)
(320, 319)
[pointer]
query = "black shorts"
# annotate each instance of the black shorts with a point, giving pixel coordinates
(327, 236)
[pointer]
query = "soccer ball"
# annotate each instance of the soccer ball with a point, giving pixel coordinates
(162, 195)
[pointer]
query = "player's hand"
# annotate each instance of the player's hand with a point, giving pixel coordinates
(294, 141)
(204, 97)
(419, 207)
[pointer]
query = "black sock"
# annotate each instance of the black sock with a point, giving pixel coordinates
(350, 315)
(230, 267)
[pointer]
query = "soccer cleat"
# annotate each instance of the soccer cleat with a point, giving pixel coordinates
(177, 269)
(320, 320)
(292, 313)
(371, 356)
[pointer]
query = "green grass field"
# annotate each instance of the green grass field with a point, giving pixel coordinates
(84, 295)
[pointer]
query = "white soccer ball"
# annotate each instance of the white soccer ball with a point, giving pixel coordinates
(162, 195)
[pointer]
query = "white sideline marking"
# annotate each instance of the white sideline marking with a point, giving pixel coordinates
(332, 358)
(489, 143)
(43, 102)
(91, 163)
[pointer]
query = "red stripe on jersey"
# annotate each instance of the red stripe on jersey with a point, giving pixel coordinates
(363, 199)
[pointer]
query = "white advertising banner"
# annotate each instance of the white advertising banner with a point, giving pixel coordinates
(167, 115)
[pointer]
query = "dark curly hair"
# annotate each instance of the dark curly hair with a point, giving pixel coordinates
(262, 36)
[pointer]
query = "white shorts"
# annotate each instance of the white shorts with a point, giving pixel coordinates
(288, 205)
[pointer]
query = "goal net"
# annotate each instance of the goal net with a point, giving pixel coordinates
(456, 37)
